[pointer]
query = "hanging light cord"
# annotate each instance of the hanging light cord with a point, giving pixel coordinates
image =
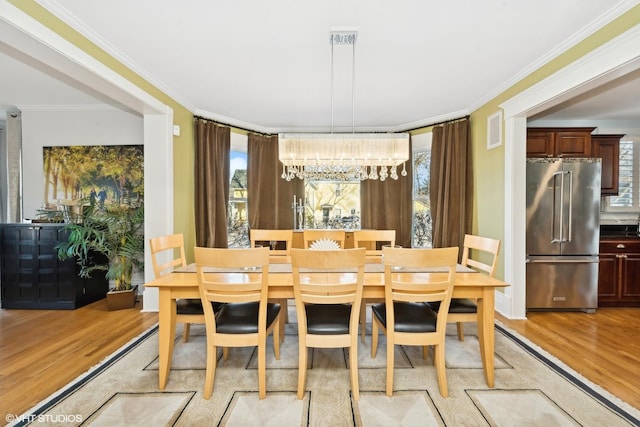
(353, 86)
(353, 90)
(332, 86)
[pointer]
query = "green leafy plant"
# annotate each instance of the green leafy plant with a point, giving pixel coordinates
(115, 232)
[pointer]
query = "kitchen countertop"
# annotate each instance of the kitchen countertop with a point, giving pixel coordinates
(608, 222)
(619, 231)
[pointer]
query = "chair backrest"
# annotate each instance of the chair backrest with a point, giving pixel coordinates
(310, 236)
(370, 239)
(245, 279)
(340, 282)
(435, 286)
(164, 247)
(481, 244)
(268, 236)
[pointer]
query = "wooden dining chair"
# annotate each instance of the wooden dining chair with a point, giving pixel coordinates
(406, 317)
(277, 255)
(463, 310)
(245, 318)
(328, 304)
(311, 235)
(278, 238)
(167, 254)
(372, 241)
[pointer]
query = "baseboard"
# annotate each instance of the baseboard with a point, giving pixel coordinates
(503, 305)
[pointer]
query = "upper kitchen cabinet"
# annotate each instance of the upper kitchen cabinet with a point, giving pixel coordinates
(607, 147)
(559, 142)
(578, 142)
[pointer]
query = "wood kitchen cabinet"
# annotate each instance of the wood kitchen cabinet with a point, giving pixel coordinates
(559, 142)
(578, 142)
(32, 276)
(619, 270)
(607, 147)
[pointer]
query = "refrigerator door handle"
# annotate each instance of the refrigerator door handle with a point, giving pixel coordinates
(558, 239)
(590, 260)
(569, 234)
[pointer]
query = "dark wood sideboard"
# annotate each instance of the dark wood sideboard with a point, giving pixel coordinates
(32, 277)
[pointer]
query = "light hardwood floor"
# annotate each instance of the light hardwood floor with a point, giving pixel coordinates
(604, 347)
(42, 350)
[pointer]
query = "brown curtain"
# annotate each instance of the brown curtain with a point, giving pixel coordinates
(451, 182)
(270, 196)
(213, 144)
(387, 205)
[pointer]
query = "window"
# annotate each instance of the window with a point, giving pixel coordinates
(422, 231)
(628, 198)
(332, 204)
(237, 219)
(422, 228)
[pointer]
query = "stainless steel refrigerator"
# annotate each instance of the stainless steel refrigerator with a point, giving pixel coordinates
(563, 233)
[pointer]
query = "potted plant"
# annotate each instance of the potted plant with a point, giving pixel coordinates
(109, 239)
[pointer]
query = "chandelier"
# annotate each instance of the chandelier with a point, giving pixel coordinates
(343, 156)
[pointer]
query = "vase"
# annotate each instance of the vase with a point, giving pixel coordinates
(118, 300)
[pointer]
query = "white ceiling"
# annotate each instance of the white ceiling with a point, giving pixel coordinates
(266, 65)
(617, 100)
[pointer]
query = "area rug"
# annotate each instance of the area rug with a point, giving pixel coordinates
(531, 389)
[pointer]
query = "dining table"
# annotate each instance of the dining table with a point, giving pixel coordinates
(183, 283)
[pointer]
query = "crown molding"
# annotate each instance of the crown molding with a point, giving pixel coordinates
(34, 39)
(613, 59)
(62, 13)
(70, 19)
(572, 41)
(69, 107)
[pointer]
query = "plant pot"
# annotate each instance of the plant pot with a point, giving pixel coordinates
(118, 300)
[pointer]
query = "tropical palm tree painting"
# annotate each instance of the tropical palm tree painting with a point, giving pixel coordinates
(93, 175)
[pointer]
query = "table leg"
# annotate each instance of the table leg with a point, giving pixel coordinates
(166, 335)
(486, 333)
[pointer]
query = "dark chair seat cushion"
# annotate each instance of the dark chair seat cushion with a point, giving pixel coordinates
(328, 319)
(242, 318)
(408, 316)
(459, 305)
(189, 306)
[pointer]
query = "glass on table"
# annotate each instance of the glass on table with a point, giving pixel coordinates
(388, 247)
(253, 267)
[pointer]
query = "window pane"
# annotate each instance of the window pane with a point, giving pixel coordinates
(237, 224)
(332, 204)
(422, 227)
(421, 168)
(625, 197)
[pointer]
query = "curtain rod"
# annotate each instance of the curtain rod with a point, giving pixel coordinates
(467, 117)
(232, 126)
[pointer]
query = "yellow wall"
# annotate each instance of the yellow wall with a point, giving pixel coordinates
(489, 165)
